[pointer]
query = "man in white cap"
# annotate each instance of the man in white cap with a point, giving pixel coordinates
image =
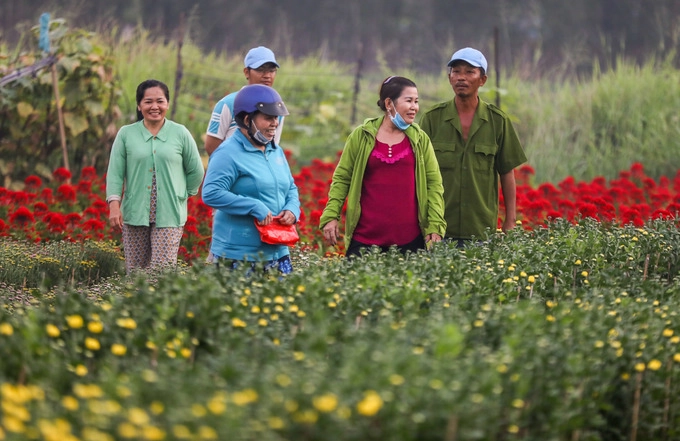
(260, 68)
(475, 144)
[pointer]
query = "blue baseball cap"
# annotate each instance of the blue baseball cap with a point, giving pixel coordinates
(257, 56)
(469, 55)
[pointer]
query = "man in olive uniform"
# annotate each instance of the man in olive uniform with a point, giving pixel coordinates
(475, 144)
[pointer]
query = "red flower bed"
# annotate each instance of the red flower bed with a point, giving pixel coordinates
(632, 198)
(59, 210)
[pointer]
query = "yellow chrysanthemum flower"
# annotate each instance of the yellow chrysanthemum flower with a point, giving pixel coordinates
(70, 403)
(6, 329)
(127, 323)
(153, 433)
(198, 410)
(276, 423)
(74, 321)
(52, 330)
(306, 417)
(157, 407)
(95, 327)
(118, 349)
(206, 432)
(370, 404)
(325, 403)
(244, 397)
(127, 430)
(92, 344)
(181, 431)
(138, 416)
(217, 405)
(654, 365)
(397, 380)
(238, 323)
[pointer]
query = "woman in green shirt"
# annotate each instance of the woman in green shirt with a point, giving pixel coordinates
(154, 167)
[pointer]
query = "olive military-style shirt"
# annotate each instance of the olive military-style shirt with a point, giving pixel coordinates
(470, 170)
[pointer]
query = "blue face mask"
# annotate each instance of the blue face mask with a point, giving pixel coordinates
(398, 121)
(258, 137)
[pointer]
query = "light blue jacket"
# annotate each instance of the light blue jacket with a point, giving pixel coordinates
(243, 184)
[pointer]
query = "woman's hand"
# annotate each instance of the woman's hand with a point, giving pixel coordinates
(267, 219)
(331, 233)
(115, 216)
(433, 237)
(287, 217)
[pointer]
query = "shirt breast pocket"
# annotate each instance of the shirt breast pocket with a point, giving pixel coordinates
(446, 154)
(484, 156)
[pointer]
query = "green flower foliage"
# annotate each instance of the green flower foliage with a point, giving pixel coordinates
(561, 333)
(28, 265)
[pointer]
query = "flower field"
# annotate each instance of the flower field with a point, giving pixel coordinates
(565, 329)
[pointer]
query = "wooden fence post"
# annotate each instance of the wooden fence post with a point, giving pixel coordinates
(180, 69)
(357, 79)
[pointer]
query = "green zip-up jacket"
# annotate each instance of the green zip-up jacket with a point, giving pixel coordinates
(349, 175)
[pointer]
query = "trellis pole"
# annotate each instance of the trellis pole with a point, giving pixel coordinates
(44, 44)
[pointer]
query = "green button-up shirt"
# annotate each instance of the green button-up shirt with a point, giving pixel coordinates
(136, 154)
(470, 170)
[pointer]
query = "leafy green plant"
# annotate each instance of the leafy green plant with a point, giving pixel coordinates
(30, 141)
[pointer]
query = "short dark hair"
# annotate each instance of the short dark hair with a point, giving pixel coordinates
(148, 84)
(391, 88)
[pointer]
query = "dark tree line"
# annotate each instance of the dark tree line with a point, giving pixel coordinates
(534, 35)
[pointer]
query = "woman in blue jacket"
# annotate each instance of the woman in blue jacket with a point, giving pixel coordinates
(248, 178)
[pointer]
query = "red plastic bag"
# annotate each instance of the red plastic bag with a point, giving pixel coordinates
(278, 234)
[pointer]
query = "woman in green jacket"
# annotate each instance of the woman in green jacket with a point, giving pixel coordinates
(389, 175)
